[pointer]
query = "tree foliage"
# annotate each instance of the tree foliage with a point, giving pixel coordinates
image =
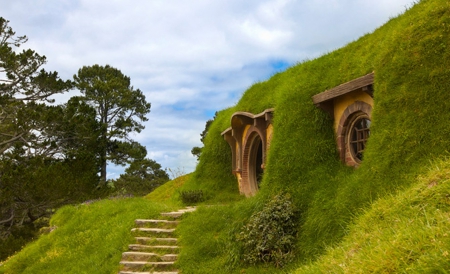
(141, 178)
(120, 110)
(45, 157)
(77, 129)
(24, 87)
(62, 169)
(197, 151)
(51, 155)
(27, 127)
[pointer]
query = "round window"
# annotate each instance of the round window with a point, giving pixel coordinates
(359, 133)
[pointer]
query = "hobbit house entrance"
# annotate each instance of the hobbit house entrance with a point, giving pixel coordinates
(249, 138)
(252, 169)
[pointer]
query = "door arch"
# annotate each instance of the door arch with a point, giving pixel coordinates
(249, 138)
(253, 162)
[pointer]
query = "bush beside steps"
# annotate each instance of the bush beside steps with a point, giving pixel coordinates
(156, 249)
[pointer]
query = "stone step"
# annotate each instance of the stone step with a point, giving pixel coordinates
(174, 215)
(161, 232)
(154, 248)
(148, 257)
(169, 257)
(156, 241)
(156, 223)
(188, 209)
(156, 230)
(133, 272)
(146, 266)
(140, 256)
(153, 255)
(143, 221)
(179, 213)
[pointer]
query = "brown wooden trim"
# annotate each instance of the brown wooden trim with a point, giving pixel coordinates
(243, 147)
(226, 131)
(353, 111)
(358, 83)
(327, 106)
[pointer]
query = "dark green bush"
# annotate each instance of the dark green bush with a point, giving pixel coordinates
(189, 197)
(18, 237)
(270, 234)
(139, 179)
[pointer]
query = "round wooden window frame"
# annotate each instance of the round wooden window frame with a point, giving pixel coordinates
(354, 119)
(349, 116)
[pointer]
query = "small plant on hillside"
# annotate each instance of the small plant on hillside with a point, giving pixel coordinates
(270, 234)
(190, 197)
(176, 172)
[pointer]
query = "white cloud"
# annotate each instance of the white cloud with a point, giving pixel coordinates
(190, 58)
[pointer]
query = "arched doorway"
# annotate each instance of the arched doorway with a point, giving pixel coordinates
(253, 164)
(249, 139)
(259, 165)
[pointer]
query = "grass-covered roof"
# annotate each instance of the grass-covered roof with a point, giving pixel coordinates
(410, 56)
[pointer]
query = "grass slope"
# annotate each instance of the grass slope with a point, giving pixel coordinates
(88, 238)
(168, 193)
(408, 232)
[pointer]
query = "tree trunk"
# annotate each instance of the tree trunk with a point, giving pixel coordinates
(104, 145)
(103, 152)
(103, 172)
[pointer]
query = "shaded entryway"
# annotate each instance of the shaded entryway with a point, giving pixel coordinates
(252, 170)
(249, 137)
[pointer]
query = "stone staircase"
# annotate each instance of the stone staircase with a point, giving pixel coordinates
(156, 249)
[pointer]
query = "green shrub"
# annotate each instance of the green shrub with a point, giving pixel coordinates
(189, 197)
(18, 237)
(270, 234)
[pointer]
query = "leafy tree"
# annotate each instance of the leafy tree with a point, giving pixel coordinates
(62, 169)
(197, 151)
(126, 152)
(25, 118)
(141, 177)
(24, 87)
(33, 184)
(77, 132)
(36, 185)
(120, 109)
(31, 188)
(44, 153)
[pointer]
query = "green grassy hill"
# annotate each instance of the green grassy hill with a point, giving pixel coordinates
(410, 56)
(389, 215)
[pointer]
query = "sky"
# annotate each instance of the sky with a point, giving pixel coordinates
(189, 58)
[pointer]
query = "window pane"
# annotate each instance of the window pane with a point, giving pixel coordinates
(359, 135)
